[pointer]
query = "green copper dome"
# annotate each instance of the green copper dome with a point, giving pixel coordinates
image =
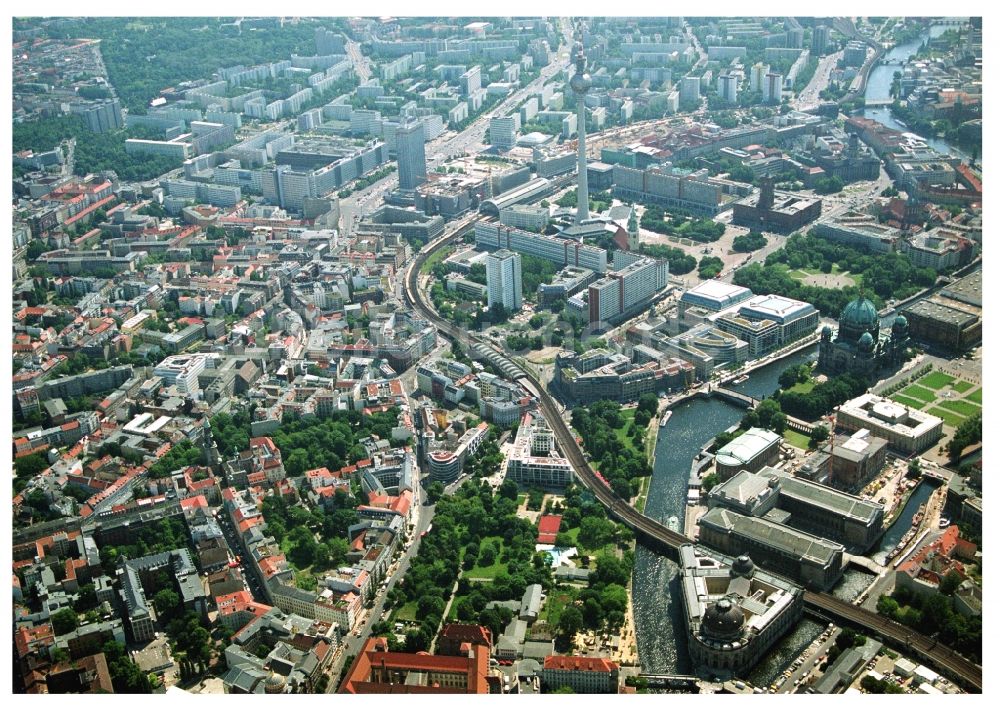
(866, 340)
(860, 313)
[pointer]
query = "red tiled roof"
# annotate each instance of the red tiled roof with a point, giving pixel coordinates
(579, 663)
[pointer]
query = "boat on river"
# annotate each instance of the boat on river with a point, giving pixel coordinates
(665, 418)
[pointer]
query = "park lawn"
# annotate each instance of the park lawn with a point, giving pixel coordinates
(961, 407)
(976, 396)
(802, 387)
(947, 416)
(557, 600)
(406, 613)
(494, 570)
(962, 386)
(918, 393)
(936, 380)
(628, 415)
(435, 258)
(908, 402)
(797, 439)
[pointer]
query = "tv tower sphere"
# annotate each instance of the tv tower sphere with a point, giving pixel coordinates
(580, 82)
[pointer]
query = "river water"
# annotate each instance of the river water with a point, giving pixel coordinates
(655, 589)
(880, 82)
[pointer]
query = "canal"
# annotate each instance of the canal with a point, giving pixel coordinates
(655, 589)
(880, 83)
(903, 523)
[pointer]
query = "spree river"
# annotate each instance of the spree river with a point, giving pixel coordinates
(655, 588)
(880, 83)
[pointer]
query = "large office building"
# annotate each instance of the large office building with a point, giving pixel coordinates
(768, 322)
(776, 211)
(857, 460)
(533, 461)
(503, 279)
(707, 348)
(503, 131)
(952, 318)
(564, 252)
(446, 465)
(801, 504)
(376, 670)
(583, 674)
(812, 561)
(627, 288)
(714, 296)
(672, 188)
(183, 370)
(734, 611)
(908, 431)
(410, 156)
(601, 374)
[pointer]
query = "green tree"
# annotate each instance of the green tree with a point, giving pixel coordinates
(64, 621)
(30, 465)
(818, 435)
(570, 622)
(166, 602)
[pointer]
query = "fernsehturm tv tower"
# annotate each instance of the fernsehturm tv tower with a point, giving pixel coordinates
(580, 83)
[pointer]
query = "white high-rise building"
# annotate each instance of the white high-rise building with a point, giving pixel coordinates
(503, 131)
(503, 279)
(758, 73)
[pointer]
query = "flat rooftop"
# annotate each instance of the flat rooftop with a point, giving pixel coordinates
(717, 291)
(785, 539)
(777, 308)
(747, 446)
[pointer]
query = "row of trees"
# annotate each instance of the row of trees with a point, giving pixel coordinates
(749, 242)
(968, 433)
(823, 397)
(934, 614)
(680, 262)
(700, 230)
(890, 275)
(709, 267)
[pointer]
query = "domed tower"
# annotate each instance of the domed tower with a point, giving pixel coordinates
(826, 335)
(743, 566)
(900, 338)
(722, 621)
(858, 317)
(900, 327)
(580, 83)
(275, 683)
(866, 344)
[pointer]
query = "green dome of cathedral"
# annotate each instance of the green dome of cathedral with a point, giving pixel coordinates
(860, 313)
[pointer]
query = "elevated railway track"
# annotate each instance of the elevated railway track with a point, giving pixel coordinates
(650, 531)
